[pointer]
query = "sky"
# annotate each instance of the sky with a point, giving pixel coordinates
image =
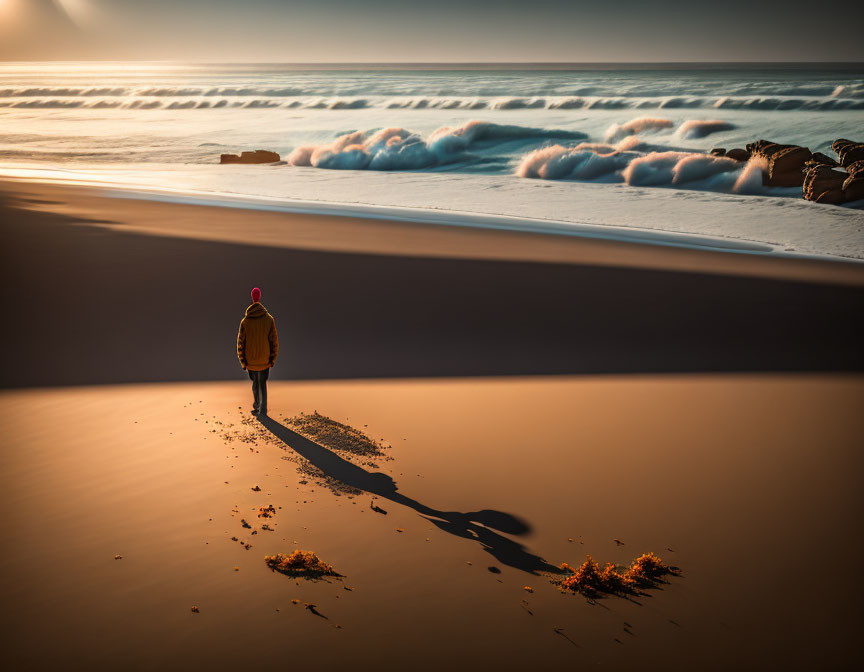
(403, 31)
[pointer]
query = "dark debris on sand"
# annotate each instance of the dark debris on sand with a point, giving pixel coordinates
(338, 437)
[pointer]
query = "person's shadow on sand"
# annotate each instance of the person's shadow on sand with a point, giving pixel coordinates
(475, 525)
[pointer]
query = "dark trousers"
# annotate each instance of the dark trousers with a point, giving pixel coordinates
(259, 389)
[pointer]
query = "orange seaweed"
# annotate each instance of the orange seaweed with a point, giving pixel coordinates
(649, 568)
(593, 581)
(299, 563)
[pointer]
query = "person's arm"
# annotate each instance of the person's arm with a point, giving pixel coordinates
(274, 342)
(241, 345)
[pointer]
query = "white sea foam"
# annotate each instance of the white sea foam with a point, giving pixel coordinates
(675, 168)
(616, 211)
(620, 163)
(398, 148)
(506, 95)
(749, 180)
(634, 126)
(585, 161)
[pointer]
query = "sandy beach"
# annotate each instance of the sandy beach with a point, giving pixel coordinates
(542, 398)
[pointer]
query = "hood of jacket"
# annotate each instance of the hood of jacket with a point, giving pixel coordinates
(256, 310)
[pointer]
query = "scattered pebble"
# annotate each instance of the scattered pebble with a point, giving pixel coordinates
(118, 557)
(266, 511)
(195, 610)
(528, 589)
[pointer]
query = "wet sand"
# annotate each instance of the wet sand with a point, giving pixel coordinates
(701, 402)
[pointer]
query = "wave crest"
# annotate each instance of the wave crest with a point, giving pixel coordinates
(842, 97)
(623, 162)
(585, 161)
(662, 168)
(398, 148)
(634, 126)
(699, 128)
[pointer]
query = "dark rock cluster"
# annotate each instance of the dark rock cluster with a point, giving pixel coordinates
(824, 183)
(738, 154)
(822, 178)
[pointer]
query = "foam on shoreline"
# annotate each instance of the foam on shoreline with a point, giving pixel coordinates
(655, 216)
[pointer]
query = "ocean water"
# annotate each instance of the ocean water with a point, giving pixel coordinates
(631, 127)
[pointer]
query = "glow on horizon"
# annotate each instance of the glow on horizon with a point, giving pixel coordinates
(415, 31)
(80, 12)
(10, 67)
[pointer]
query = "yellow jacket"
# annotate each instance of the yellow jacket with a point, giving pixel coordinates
(257, 341)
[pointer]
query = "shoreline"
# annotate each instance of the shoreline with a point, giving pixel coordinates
(613, 209)
(428, 216)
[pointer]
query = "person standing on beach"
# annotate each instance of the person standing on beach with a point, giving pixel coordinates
(257, 348)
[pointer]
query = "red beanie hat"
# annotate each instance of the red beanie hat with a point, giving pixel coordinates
(256, 295)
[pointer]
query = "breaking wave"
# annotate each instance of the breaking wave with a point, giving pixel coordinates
(401, 149)
(699, 128)
(690, 129)
(662, 168)
(627, 162)
(641, 125)
(839, 98)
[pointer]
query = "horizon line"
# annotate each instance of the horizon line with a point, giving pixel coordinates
(495, 63)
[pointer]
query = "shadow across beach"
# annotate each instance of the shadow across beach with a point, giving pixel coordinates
(479, 526)
(91, 304)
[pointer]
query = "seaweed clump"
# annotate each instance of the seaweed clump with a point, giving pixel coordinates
(648, 569)
(592, 581)
(300, 563)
